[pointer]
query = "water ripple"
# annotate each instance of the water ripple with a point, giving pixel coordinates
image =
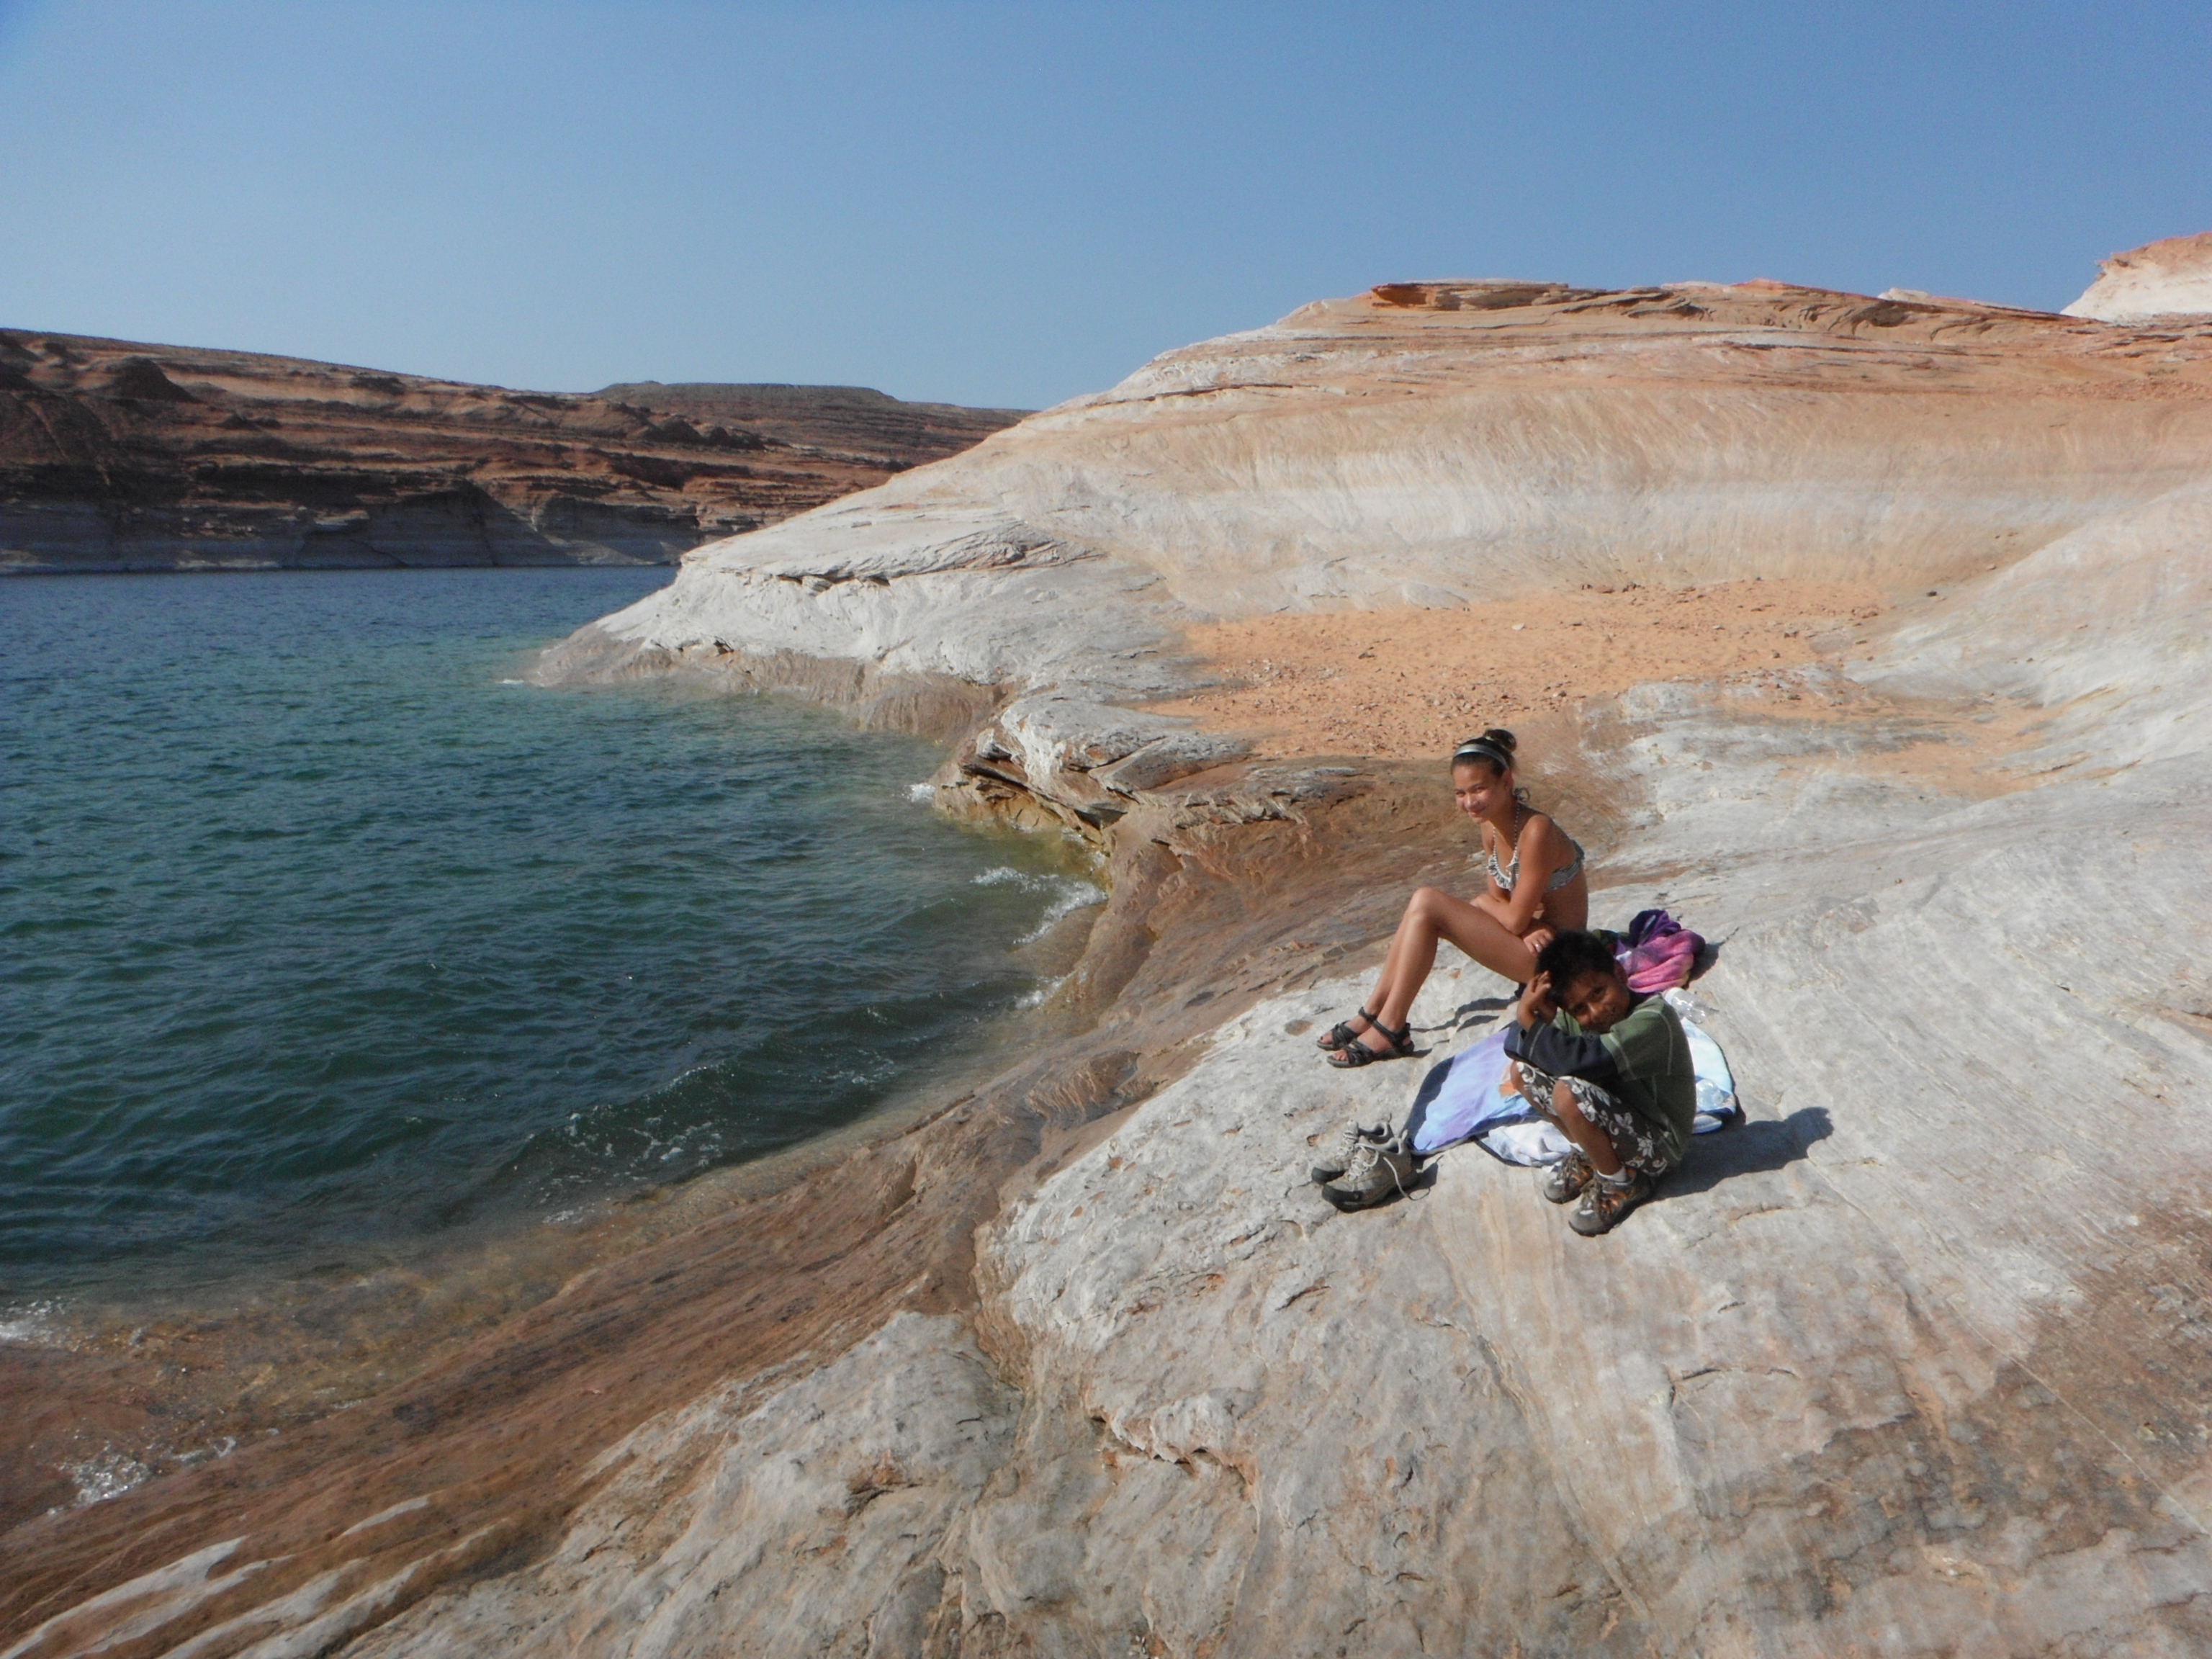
(319, 928)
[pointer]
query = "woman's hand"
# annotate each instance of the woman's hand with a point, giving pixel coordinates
(1537, 937)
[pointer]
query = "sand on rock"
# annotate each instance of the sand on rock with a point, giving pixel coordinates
(1406, 684)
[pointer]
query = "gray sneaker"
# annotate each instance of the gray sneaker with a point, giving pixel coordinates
(1564, 1183)
(1349, 1139)
(1377, 1169)
(1602, 1206)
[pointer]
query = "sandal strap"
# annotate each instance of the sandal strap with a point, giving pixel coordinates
(1355, 1053)
(1341, 1036)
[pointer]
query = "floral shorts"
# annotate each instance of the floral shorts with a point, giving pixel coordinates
(1633, 1143)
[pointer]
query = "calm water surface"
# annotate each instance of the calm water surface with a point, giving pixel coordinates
(319, 927)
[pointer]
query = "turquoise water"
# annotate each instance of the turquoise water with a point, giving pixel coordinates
(321, 928)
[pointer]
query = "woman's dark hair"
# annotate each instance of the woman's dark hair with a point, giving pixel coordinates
(1573, 955)
(1493, 748)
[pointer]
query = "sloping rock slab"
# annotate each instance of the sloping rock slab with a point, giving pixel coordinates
(770, 1507)
(1864, 1378)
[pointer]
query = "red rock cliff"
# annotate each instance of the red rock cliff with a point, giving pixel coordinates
(117, 456)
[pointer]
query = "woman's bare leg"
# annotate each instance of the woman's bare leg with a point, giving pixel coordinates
(1433, 914)
(1398, 945)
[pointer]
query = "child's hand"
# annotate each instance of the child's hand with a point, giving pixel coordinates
(1535, 1004)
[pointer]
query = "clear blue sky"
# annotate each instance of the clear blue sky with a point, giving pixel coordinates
(1010, 204)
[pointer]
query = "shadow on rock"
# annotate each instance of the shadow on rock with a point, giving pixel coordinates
(1755, 1148)
(1480, 1007)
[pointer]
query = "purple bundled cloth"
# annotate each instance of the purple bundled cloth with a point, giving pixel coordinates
(1658, 952)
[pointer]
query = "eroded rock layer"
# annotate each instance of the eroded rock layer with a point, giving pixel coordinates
(853, 420)
(2167, 279)
(1916, 1362)
(118, 456)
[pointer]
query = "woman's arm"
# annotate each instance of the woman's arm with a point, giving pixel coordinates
(1493, 898)
(1543, 850)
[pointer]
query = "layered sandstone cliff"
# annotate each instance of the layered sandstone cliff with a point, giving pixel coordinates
(119, 456)
(1914, 1363)
(1434, 444)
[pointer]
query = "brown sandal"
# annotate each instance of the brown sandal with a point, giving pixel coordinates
(1340, 1035)
(1356, 1054)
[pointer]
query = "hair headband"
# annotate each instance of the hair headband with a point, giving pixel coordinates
(1483, 749)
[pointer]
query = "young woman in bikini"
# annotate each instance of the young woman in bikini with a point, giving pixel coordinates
(1541, 890)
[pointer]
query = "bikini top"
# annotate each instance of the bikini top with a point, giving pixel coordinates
(1511, 873)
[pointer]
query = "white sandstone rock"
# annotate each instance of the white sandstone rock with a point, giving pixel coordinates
(2169, 278)
(805, 1522)
(1364, 455)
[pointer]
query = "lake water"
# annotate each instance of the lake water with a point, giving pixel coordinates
(322, 928)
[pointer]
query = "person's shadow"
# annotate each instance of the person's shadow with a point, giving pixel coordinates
(1753, 1148)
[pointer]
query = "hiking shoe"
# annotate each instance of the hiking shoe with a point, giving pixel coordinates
(1377, 1168)
(1602, 1206)
(1564, 1180)
(1349, 1139)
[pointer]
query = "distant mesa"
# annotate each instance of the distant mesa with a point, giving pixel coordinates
(2168, 278)
(121, 456)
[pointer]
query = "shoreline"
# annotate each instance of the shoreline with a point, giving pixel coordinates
(508, 1266)
(139, 1365)
(1142, 1014)
(809, 1281)
(1088, 1073)
(288, 1342)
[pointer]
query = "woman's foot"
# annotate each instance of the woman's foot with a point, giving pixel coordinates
(1377, 1042)
(1342, 1033)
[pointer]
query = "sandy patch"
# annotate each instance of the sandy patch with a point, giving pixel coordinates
(1407, 684)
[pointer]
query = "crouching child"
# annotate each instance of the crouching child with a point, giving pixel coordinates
(1613, 1069)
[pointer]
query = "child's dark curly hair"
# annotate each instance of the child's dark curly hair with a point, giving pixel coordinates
(1573, 955)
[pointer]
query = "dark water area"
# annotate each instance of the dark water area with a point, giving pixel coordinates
(324, 930)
